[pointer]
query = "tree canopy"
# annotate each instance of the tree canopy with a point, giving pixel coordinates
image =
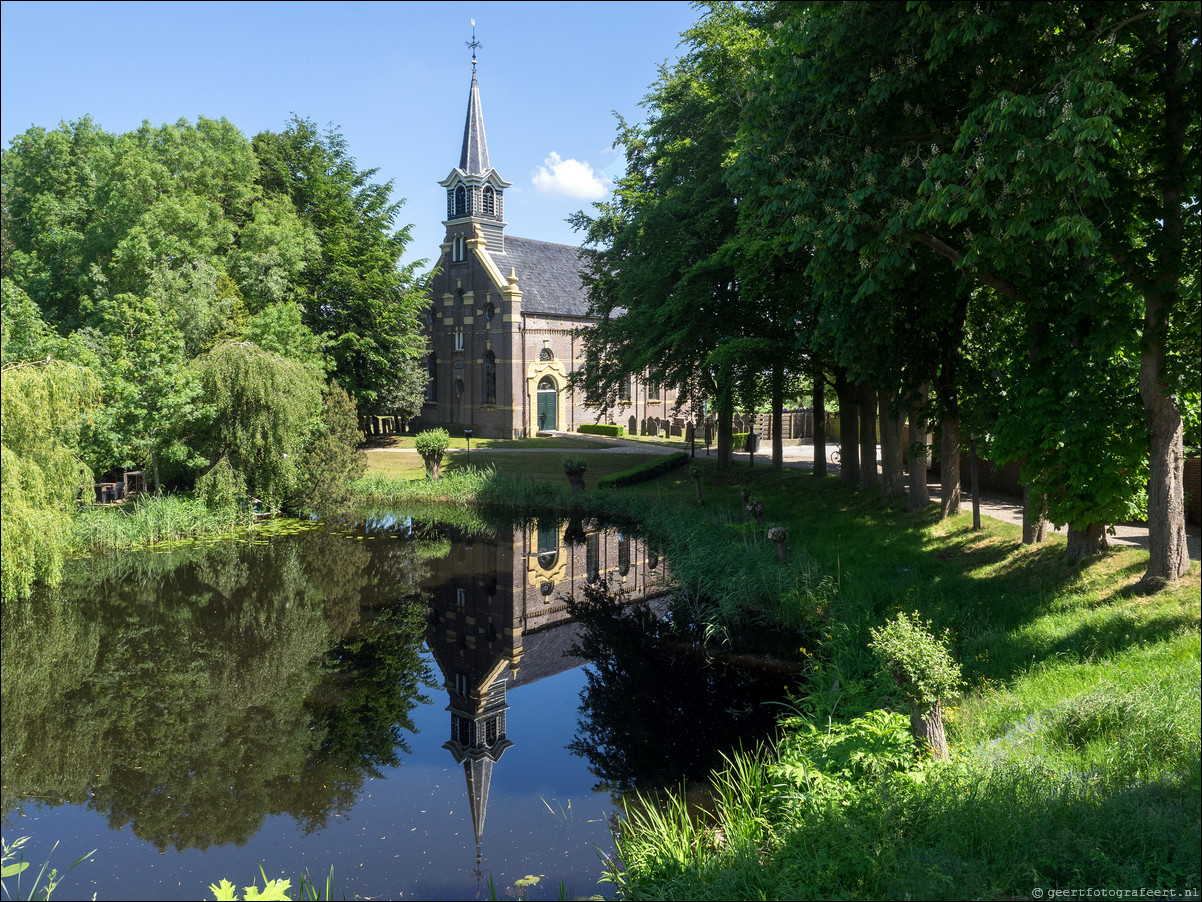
(951, 196)
(220, 299)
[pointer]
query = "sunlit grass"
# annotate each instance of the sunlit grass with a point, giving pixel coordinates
(542, 465)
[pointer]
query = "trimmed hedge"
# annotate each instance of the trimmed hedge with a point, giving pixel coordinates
(738, 441)
(602, 429)
(644, 472)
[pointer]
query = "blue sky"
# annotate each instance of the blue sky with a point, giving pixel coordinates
(393, 77)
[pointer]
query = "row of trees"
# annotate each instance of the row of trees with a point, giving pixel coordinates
(212, 310)
(981, 218)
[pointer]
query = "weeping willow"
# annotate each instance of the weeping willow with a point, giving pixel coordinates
(262, 410)
(42, 477)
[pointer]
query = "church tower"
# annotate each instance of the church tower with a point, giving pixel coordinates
(475, 191)
(506, 313)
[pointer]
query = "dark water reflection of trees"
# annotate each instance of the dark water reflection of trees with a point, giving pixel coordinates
(191, 694)
(657, 709)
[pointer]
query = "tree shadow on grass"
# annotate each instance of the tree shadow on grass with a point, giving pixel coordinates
(990, 591)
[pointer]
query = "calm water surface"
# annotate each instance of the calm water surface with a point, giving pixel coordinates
(394, 701)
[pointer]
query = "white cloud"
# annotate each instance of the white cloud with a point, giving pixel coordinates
(570, 177)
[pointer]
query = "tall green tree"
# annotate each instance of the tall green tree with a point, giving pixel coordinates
(1102, 102)
(151, 397)
(355, 290)
(155, 247)
(944, 127)
(663, 277)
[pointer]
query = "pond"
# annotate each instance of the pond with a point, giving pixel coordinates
(401, 702)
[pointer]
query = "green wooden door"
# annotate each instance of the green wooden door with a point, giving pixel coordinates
(548, 405)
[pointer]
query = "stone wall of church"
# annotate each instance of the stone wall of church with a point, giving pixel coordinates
(470, 320)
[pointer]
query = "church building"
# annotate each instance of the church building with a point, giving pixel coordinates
(504, 317)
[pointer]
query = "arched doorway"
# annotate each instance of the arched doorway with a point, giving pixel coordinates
(548, 404)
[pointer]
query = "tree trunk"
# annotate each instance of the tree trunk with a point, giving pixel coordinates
(928, 730)
(726, 429)
(893, 479)
(949, 467)
(576, 481)
(1086, 541)
(819, 421)
(778, 403)
(919, 452)
(974, 471)
(849, 449)
(1168, 556)
(949, 413)
(154, 470)
(868, 468)
(1035, 517)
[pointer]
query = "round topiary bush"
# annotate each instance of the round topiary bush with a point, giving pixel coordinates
(431, 445)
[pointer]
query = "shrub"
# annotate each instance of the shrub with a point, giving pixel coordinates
(574, 465)
(431, 445)
(602, 429)
(644, 472)
(923, 669)
(738, 441)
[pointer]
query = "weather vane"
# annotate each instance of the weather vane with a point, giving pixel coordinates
(473, 43)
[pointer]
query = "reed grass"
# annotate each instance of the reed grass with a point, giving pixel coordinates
(150, 520)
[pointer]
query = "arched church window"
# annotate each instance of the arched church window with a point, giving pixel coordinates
(548, 543)
(460, 201)
(546, 354)
(490, 377)
(489, 312)
(623, 554)
(490, 206)
(432, 380)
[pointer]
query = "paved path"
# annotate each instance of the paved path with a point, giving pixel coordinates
(1000, 507)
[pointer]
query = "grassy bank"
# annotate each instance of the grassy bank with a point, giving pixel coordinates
(1075, 746)
(1075, 741)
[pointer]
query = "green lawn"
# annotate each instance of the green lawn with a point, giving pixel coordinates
(542, 464)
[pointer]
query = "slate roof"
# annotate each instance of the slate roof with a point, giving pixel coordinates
(547, 653)
(473, 158)
(548, 275)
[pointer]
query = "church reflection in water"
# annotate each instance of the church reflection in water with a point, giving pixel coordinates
(499, 621)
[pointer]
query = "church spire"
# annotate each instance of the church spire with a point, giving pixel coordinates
(473, 159)
(475, 191)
